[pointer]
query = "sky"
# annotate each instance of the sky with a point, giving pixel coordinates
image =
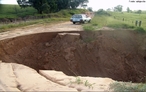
(104, 4)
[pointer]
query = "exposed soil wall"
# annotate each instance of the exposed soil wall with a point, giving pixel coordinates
(120, 55)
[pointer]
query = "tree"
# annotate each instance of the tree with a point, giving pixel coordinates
(75, 3)
(0, 5)
(47, 6)
(53, 5)
(62, 4)
(139, 11)
(0, 2)
(23, 3)
(40, 5)
(90, 9)
(109, 9)
(128, 9)
(118, 8)
(102, 12)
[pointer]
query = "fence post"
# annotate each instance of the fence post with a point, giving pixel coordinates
(136, 22)
(139, 23)
(123, 19)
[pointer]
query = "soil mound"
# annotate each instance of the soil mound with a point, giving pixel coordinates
(120, 55)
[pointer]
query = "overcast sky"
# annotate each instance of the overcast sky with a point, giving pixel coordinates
(104, 4)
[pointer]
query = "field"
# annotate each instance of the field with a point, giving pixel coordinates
(117, 20)
(14, 11)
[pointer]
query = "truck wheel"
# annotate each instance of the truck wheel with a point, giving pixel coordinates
(83, 22)
(74, 22)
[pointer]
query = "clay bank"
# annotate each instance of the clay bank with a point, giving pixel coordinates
(120, 55)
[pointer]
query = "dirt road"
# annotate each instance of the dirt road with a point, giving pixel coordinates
(65, 26)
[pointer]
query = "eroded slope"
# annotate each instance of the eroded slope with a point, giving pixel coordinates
(119, 55)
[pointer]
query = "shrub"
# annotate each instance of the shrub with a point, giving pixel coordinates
(102, 12)
(88, 28)
(80, 81)
(139, 30)
(127, 87)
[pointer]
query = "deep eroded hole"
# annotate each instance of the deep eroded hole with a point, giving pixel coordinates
(114, 54)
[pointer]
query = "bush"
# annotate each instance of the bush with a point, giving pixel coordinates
(88, 28)
(139, 30)
(102, 12)
(127, 87)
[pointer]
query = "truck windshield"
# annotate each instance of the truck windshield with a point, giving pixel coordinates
(76, 16)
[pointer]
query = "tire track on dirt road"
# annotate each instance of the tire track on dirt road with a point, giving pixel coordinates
(33, 29)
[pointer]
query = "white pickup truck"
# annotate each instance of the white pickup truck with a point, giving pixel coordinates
(80, 18)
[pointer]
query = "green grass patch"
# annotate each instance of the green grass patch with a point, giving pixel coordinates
(5, 27)
(79, 81)
(127, 87)
(139, 30)
(14, 11)
(130, 18)
(99, 21)
(88, 28)
(96, 23)
(120, 25)
(118, 20)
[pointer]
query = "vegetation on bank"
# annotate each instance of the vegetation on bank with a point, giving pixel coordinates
(102, 18)
(127, 87)
(27, 16)
(15, 11)
(117, 20)
(51, 6)
(46, 21)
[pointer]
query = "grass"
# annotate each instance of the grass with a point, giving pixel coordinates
(88, 28)
(139, 30)
(80, 81)
(130, 18)
(115, 20)
(15, 11)
(127, 87)
(5, 27)
(96, 23)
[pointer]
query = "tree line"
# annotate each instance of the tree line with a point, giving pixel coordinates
(119, 8)
(49, 6)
